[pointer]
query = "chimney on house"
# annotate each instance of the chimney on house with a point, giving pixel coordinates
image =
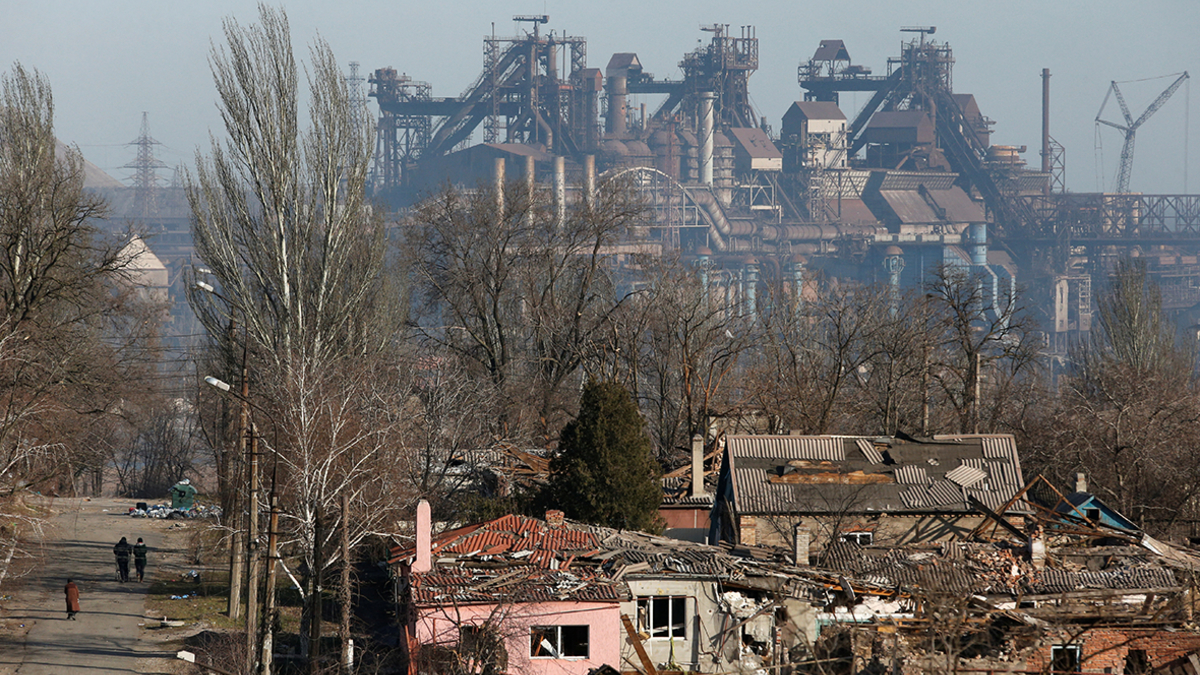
(424, 562)
(1081, 482)
(1037, 549)
(554, 518)
(698, 466)
(800, 544)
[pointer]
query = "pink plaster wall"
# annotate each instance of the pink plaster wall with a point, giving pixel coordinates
(439, 625)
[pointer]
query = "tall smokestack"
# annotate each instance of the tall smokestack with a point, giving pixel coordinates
(617, 105)
(498, 175)
(1046, 126)
(424, 561)
(589, 179)
(706, 137)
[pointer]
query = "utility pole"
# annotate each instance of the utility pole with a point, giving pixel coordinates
(314, 621)
(344, 595)
(252, 573)
(268, 617)
(237, 554)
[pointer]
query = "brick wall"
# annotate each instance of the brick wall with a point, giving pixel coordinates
(1103, 650)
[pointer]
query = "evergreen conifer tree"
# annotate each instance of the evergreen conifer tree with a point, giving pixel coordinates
(605, 473)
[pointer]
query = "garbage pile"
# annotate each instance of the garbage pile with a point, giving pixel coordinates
(166, 511)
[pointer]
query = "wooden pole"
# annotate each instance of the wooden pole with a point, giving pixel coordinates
(237, 554)
(344, 595)
(268, 617)
(314, 620)
(252, 573)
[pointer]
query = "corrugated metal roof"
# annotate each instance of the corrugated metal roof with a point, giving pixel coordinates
(870, 451)
(845, 474)
(945, 493)
(966, 475)
(911, 475)
(826, 448)
(755, 142)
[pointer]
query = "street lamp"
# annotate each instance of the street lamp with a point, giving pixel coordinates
(251, 542)
(260, 637)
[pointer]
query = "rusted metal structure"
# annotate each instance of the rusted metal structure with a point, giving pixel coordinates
(883, 194)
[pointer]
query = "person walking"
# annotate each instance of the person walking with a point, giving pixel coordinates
(139, 558)
(122, 551)
(72, 593)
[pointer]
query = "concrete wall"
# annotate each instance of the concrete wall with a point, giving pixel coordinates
(440, 626)
(703, 619)
(705, 649)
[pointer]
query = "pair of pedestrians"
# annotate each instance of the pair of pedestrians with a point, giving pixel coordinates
(123, 551)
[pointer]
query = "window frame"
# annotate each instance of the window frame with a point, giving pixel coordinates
(856, 537)
(558, 642)
(646, 622)
(1055, 650)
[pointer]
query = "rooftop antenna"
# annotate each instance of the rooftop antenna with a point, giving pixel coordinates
(1129, 129)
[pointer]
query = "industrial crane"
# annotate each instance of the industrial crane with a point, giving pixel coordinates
(1131, 126)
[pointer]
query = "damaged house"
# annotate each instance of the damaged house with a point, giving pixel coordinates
(1066, 592)
(797, 491)
(518, 594)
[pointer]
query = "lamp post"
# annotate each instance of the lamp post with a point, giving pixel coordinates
(236, 550)
(259, 633)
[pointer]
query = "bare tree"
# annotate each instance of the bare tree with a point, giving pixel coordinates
(677, 347)
(813, 352)
(68, 318)
(1128, 410)
(508, 287)
(979, 335)
(280, 217)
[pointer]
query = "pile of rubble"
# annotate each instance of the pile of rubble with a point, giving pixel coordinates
(165, 511)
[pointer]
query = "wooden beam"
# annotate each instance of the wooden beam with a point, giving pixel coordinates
(982, 508)
(638, 646)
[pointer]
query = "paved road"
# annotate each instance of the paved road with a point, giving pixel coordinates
(106, 635)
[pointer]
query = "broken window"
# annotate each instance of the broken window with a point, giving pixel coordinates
(1136, 662)
(663, 617)
(860, 538)
(1064, 659)
(482, 647)
(558, 642)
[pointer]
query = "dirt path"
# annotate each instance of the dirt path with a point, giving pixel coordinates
(107, 636)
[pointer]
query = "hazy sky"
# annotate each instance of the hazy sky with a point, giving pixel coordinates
(109, 61)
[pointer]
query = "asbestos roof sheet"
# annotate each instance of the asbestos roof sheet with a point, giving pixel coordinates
(819, 474)
(971, 568)
(966, 475)
(869, 451)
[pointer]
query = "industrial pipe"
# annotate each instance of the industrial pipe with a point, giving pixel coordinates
(798, 279)
(589, 179)
(560, 190)
(617, 91)
(751, 287)
(498, 175)
(706, 137)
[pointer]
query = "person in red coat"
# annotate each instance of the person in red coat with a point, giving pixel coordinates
(72, 592)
